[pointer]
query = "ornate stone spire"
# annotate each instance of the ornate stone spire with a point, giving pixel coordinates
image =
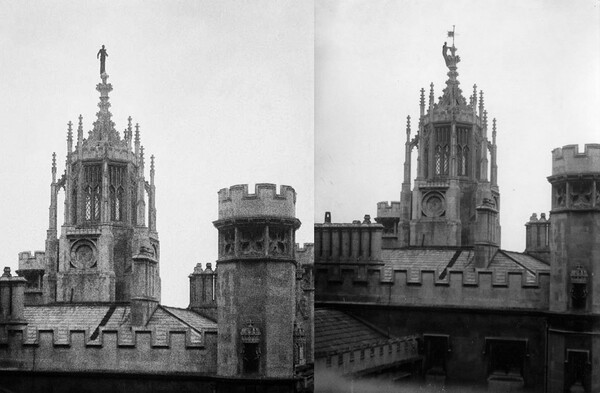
(452, 95)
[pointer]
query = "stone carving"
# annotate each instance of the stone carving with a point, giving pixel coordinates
(451, 59)
(581, 194)
(228, 242)
(83, 254)
(251, 241)
(561, 199)
(278, 242)
(303, 308)
(434, 204)
(102, 55)
(579, 281)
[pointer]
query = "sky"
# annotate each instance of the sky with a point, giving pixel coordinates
(538, 63)
(223, 92)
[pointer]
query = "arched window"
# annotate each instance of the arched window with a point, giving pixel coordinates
(92, 191)
(446, 160)
(74, 203)
(459, 160)
(465, 161)
(88, 203)
(96, 203)
(425, 159)
(438, 160)
(116, 179)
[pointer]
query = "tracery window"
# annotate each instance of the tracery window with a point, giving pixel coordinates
(462, 151)
(442, 150)
(116, 191)
(92, 191)
(74, 202)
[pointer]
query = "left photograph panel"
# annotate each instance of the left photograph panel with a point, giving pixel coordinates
(157, 163)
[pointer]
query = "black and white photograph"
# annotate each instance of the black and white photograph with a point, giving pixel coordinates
(264, 196)
(157, 175)
(457, 198)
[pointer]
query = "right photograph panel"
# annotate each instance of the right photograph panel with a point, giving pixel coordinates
(457, 196)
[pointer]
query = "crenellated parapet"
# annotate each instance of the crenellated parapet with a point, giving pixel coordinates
(575, 178)
(569, 161)
(27, 261)
(485, 288)
(109, 350)
(237, 202)
(389, 209)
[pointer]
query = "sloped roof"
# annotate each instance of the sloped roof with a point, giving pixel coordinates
(440, 259)
(337, 331)
(112, 316)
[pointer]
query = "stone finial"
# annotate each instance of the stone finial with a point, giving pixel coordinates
(533, 217)
(431, 95)
(137, 133)
(327, 217)
(408, 127)
(543, 217)
(485, 121)
(474, 96)
(198, 268)
(53, 167)
(422, 100)
(208, 268)
(129, 119)
(70, 131)
(6, 272)
(481, 102)
(367, 219)
(80, 129)
(494, 131)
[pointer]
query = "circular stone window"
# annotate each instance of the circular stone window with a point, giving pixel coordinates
(434, 204)
(83, 255)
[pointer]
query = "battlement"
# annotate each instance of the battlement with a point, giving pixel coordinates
(236, 202)
(568, 159)
(485, 288)
(388, 209)
(28, 261)
(67, 348)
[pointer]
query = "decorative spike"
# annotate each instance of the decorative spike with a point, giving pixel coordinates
(485, 122)
(54, 167)
(152, 169)
(480, 102)
(474, 96)
(137, 133)
(70, 131)
(80, 129)
(431, 95)
(494, 131)
(408, 126)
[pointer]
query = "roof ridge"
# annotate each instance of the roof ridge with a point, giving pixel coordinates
(176, 317)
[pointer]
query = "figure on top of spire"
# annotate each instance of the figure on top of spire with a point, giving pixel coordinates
(102, 55)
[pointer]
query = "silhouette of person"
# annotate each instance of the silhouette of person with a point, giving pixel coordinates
(102, 55)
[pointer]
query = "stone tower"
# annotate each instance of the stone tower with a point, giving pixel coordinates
(575, 229)
(453, 189)
(573, 328)
(256, 281)
(104, 216)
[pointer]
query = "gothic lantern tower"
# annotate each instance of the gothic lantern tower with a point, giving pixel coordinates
(104, 215)
(256, 281)
(453, 199)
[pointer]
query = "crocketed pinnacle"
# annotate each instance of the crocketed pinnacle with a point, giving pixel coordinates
(104, 127)
(452, 95)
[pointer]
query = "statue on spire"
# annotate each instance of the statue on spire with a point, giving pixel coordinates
(102, 55)
(451, 59)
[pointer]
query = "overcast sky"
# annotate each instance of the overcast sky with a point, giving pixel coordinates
(538, 63)
(223, 92)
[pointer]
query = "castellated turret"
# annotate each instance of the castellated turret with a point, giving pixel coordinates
(256, 281)
(575, 229)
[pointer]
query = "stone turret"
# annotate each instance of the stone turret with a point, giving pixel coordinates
(256, 294)
(575, 229)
